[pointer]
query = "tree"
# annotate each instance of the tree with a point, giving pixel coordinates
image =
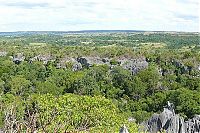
(19, 85)
(66, 113)
(48, 87)
(138, 88)
(151, 77)
(2, 83)
(187, 102)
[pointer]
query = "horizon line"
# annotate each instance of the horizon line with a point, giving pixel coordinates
(98, 31)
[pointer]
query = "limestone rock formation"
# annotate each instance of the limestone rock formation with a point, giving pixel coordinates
(183, 68)
(193, 125)
(72, 62)
(44, 58)
(198, 68)
(90, 61)
(151, 125)
(76, 66)
(63, 62)
(3, 53)
(134, 65)
(123, 129)
(18, 58)
(170, 122)
(106, 60)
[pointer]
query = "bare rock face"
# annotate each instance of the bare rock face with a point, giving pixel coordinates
(170, 122)
(123, 129)
(3, 53)
(44, 58)
(90, 61)
(18, 58)
(183, 68)
(134, 65)
(198, 67)
(152, 124)
(106, 60)
(76, 66)
(193, 125)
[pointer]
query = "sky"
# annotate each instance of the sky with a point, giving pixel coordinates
(75, 15)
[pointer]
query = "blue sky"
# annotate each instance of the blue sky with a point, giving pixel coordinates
(71, 15)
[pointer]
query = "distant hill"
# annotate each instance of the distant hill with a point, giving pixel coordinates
(24, 33)
(64, 32)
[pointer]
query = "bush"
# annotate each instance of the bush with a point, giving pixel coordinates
(71, 112)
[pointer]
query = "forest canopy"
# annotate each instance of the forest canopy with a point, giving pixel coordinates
(96, 81)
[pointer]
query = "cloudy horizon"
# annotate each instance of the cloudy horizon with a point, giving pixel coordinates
(75, 15)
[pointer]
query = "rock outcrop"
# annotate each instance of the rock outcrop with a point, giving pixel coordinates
(3, 53)
(76, 66)
(134, 65)
(18, 58)
(44, 58)
(198, 67)
(170, 122)
(90, 61)
(193, 125)
(123, 129)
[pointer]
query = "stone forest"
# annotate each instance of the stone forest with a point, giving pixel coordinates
(99, 82)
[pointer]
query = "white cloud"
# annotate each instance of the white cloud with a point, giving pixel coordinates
(180, 15)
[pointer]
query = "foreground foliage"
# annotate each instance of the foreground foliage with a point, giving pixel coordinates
(69, 112)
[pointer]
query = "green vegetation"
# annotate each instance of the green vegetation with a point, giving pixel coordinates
(68, 112)
(36, 94)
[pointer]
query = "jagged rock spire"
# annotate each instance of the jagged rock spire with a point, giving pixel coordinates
(123, 129)
(170, 122)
